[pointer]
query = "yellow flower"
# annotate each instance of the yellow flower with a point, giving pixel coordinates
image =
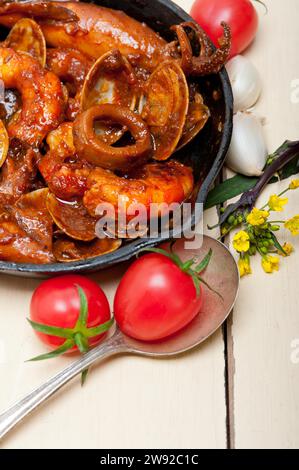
(244, 266)
(270, 263)
(241, 241)
(257, 217)
(293, 225)
(288, 248)
(294, 184)
(276, 203)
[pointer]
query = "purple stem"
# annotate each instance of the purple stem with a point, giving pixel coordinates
(283, 156)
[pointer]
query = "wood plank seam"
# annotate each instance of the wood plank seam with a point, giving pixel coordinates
(229, 380)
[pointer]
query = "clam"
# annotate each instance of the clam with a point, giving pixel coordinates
(72, 218)
(198, 114)
(32, 216)
(110, 80)
(66, 250)
(4, 143)
(27, 36)
(166, 107)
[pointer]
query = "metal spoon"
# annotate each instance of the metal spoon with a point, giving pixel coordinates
(222, 274)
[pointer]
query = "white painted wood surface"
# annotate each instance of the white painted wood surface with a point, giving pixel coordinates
(266, 317)
(128, 402)
(132, 402)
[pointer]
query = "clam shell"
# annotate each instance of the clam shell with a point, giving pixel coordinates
(107, 82)
(166, 107)
(66, 250)
(27, 36)
(4, 143)
(72, 218)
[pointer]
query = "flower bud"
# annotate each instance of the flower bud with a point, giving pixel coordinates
(252, 250)
(231, 219)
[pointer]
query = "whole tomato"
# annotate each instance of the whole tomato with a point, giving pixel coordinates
(158, 296)
(68, 303)
(239, 14)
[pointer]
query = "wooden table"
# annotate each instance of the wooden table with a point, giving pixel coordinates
(238, 389)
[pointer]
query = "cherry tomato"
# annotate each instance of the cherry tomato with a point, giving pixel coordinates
(239, 14)
(155, 298)
(56, 302)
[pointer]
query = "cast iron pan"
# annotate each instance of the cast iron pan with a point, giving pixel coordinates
(206, 153)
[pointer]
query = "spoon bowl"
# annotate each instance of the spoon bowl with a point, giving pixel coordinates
(222, 274)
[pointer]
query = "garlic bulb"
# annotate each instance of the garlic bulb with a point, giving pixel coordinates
(245, 81)
(247, 153)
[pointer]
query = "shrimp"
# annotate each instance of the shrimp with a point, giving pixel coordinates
(65, 174)
(95, 30)
(41, 92)
(70, 177)
(153, 183)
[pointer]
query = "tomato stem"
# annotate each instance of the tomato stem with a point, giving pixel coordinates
(77, 336)
(66, 346)
(186, 266)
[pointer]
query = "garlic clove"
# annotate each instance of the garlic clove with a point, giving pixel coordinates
(247, 153)
(246, 82)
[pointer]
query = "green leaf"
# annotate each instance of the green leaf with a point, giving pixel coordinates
(84, 377)
(82, 319)
(98, 330)
(277, 244)
(51, 330)
(204, 263)
(228, 189)
(292, 168)
(68, 344)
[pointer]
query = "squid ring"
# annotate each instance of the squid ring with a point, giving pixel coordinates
(90, 147)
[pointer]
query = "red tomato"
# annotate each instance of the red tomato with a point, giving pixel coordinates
(56, 302)
(239, 14)
(155, 299)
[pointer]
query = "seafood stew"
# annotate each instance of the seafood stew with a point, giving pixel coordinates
(88, 115)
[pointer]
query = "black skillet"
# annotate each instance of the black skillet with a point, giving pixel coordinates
(206, 153)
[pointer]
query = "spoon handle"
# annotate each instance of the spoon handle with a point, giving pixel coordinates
(12, 416)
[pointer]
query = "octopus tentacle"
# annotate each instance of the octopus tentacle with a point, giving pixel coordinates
(185, 48)
(209, 60)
